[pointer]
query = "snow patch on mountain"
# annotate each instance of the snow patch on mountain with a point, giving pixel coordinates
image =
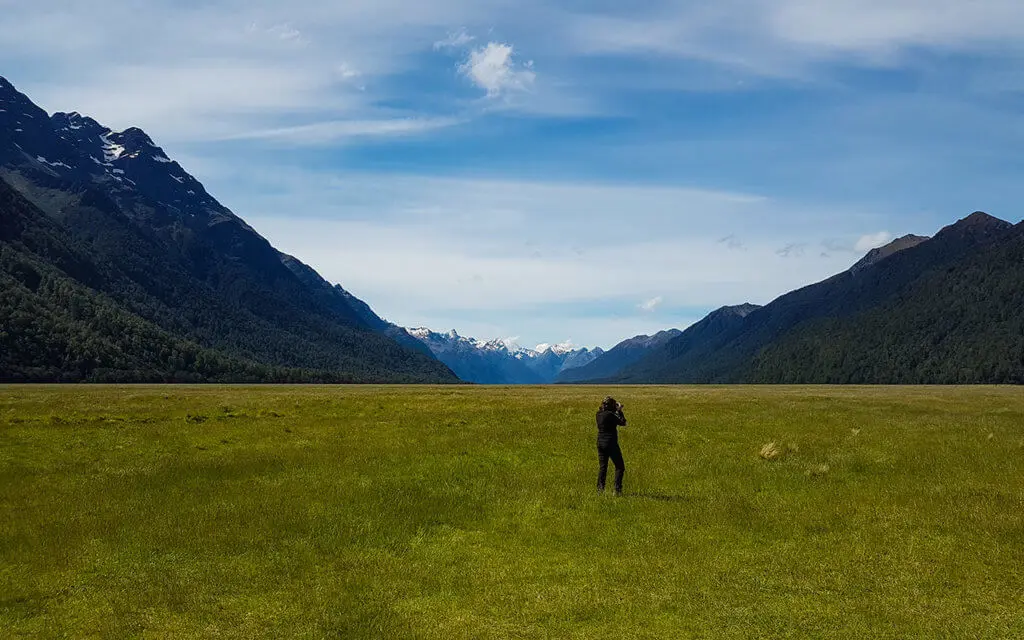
(560, 348)
(111, 150)
(52, 164)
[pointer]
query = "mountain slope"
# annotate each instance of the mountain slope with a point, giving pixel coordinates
(960, 323)
(55, 327)
(696, 342)
(844, 314)
(617, 358)
(881, 253)
(167, 252)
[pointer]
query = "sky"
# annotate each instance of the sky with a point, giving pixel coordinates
(578, 171)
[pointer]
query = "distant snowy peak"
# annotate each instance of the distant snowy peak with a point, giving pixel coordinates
(452, 339)
(498, 344)
(561, 348)
(502, 360)
(420, 333)
(508, 345)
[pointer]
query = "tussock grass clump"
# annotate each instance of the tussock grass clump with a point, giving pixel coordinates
(775, 451)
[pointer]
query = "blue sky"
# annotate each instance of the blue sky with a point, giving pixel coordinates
(558, 170)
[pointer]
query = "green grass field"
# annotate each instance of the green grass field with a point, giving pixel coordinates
(460, 512)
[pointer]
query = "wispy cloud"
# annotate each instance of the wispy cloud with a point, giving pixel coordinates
(565, 344)
(652, 304)
(280, 31)
(731, 242)
(347, 72)
(787, 38)
(197, 101)
(455, 40)
(321, 133)
(510, 342)
(792, 250)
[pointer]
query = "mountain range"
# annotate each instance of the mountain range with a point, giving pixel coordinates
(117, 265)
(502, 361)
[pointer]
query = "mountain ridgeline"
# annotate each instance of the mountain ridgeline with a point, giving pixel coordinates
(618, 357)
(942, 310)
(499, 362)
(117, 265)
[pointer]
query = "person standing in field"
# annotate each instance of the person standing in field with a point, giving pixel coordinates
(609, 419)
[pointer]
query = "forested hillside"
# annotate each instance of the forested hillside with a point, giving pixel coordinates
(948, 309)
(117, 265)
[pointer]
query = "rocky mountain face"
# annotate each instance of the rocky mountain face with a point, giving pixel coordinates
(502, 362)
(880, 253)
(147, 242)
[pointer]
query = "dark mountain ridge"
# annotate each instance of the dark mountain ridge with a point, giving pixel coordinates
(617, 358)
(812, 330)
(147, 237)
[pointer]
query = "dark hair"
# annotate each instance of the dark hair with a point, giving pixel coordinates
(609, 404)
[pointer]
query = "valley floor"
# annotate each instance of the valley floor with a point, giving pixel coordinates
(461, 512)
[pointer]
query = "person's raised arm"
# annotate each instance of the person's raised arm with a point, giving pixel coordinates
(620, 415)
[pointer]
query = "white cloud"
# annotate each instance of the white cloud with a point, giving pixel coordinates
(511, 342)
(882, 26)
(282, 31)
(335, 130)
(652, 304)
(455, 40)
(197, 101)
(872, 241)
(348, 72)
(492, 69)
(566, 345)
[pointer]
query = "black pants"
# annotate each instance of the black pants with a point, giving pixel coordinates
(606, 450)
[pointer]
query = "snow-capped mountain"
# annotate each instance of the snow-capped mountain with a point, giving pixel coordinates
(502, 361)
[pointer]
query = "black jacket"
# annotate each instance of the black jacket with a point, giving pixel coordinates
(608, 423)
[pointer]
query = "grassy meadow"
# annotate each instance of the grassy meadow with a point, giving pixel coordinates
(462, 512)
